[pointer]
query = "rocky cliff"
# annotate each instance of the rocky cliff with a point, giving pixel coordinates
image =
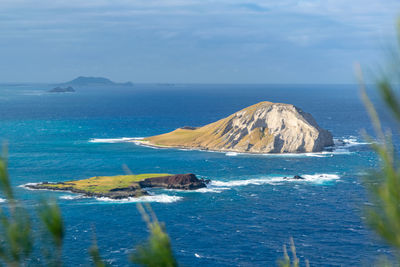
(265, 127)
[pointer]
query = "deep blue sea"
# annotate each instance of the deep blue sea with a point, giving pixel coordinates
(248, 212)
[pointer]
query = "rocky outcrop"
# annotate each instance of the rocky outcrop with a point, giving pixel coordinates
(296, 177)
(180, 181)
(265, 127)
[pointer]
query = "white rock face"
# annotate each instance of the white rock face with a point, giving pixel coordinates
(286, 129)
(262, 128)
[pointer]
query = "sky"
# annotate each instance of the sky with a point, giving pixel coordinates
(193, 41)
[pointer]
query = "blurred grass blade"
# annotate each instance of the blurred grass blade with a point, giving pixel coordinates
(50, 215)
(157, 250)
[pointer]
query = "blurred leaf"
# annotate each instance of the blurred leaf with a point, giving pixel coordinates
(286, 261)
(157, 250)
(95, 254)
(50, 215)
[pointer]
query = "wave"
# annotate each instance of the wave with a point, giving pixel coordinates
(318, 178)
(114, 140)
(208, 189)
(340, 147)
(350, 141)
(25, 186)
(71, 197)
(323, 154)
(162, 198)
(216, 186)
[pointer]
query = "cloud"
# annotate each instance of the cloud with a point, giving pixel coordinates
(258, 33)
(252, 7)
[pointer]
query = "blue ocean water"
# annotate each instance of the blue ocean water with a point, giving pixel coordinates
(246, 215)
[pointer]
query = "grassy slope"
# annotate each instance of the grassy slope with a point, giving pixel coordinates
(103, 184)
(211, 135)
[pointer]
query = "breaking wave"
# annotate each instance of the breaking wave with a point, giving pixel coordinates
(318, 178)
(350, 141)
(71, 197)
(114, 140)
(162, 198)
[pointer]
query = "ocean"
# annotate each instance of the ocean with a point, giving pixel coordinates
(246, 214)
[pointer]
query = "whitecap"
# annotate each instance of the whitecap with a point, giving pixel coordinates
(72, 197)
(114, 140)
(208, 189)
(233, 183)
(2, 200)
(162, 198)
(212, 189)
(69, 197)
(318, 178)
(25, 186)
(350, 141)
(231, 154)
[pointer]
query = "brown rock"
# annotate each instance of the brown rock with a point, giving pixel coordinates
(180, 181)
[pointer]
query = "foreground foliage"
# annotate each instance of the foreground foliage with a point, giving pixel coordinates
(19, 246)
(383, 184)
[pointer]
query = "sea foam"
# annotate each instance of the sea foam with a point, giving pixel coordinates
(71, 197)
(318, 178)
(114, 140)
(162, 198)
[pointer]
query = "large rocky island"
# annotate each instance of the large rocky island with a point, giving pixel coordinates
(124, 186)
(265, 127)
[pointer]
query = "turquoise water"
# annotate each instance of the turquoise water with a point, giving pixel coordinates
(245, 215)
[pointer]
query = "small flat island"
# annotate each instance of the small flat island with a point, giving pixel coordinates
(59, 89)
(124, 186)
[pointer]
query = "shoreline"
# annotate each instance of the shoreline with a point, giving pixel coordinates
(145, 143)
(42, 186)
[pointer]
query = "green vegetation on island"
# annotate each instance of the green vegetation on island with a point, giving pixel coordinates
(124, 186)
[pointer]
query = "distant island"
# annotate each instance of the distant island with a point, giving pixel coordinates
(58, 89)
(124, 186)
(87, 81)
(265, 127)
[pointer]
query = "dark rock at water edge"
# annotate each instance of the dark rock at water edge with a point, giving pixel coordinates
(189, 128)
(296, 177)
(118, 193)
(180, 181)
